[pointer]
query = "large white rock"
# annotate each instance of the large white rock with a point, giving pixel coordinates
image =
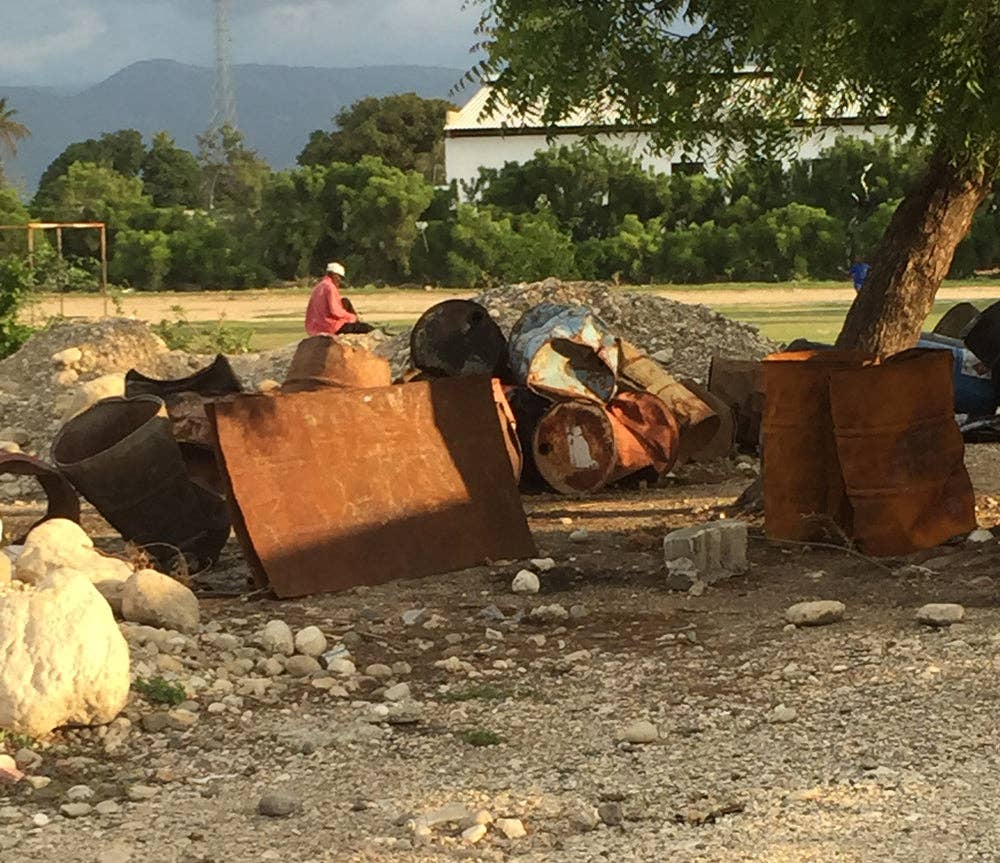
(63, 544)
(63, 660)
(91, 392)
(156, 599)
(277, 638)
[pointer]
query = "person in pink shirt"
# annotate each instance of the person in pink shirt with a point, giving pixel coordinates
(329, 314)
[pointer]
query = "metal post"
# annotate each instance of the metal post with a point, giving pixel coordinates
(62, 288)
(31, 247)
(104, 267)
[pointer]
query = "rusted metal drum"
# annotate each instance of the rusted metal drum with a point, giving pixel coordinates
(508, 427)
(458, 338)
(528, 408)
(698, 422)
(121, 455)
(574, 447)
(322, 361)
(804, 493)
(646, 434)
(958, 320)
(901, 453)
(565, 352)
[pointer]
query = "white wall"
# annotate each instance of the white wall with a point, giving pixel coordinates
(464, 156)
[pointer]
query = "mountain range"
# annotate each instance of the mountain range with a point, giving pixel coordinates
(277, 106)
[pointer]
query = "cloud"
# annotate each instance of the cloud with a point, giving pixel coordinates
(77, 31)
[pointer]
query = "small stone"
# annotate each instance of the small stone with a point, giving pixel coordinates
(67, 357)
(583, 817)
(580, 535)
(401, 668)
(980, 535)
(341, 666)
(181, 720)
(399, 692)
(414, 616)
(577, 656)
(473, 834)
(76, 810)
(492, 613)
(137, 793)
(512, 828)
(451, 813)
(525, 582)
(41, 820)
(379, 671)
(940, 614)
(80, 792)
(610, 814)
(818, 613)
(302, 666)
(278, 804)
(782, 715)
(493, 635)
(641, 731)
(548, 613)
(310, 641)
(543, 564)
(108, 807)
(277, 638)
(578, 612)
(154, 723)
(27, 759)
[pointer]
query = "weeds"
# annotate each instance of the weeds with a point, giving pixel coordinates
(13, 741)
(160, 691)
(481, 737)
(221, 338)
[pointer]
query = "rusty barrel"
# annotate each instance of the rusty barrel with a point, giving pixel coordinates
(574, 447)
(121, 455)
(698, 423)
(528, 408)
(322, 361)
(804, 493)
(647, 436)
(458, 338)
(565, 352)
(901, 452)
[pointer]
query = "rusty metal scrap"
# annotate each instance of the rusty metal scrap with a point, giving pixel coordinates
(565, 352)
(335, 488)
(63, 501)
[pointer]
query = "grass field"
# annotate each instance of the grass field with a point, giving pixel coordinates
(785, 311)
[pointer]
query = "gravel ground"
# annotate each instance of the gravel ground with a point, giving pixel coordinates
(870, 739)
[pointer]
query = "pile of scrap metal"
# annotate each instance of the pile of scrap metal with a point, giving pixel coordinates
(336, 479)
(588, 407)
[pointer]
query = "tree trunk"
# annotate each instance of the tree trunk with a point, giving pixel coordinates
(913, 258)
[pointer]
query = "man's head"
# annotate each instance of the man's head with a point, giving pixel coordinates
(336, 271)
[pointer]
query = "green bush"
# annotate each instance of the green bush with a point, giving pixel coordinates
(15, 287)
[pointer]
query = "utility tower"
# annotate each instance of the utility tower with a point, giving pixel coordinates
(224, 112)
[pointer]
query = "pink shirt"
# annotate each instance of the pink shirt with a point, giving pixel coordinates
(325, 313)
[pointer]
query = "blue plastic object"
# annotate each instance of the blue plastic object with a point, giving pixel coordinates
(974, 393)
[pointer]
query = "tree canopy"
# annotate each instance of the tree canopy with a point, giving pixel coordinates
(404, 130)
(753, 72)
(171, 175)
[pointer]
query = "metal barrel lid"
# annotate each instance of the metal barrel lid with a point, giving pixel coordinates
(458, 338)
(574, 447)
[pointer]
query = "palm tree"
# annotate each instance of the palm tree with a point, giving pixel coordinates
(11, 132)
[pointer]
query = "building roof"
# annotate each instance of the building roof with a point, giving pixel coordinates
(471, 120)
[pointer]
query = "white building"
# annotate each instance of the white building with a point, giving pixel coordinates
(474, 141)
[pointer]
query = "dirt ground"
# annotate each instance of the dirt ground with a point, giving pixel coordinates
(888, 753)
(390, 305)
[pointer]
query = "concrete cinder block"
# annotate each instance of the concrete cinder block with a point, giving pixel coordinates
(717, 549)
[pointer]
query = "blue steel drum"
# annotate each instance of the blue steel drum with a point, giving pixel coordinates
(565, 352)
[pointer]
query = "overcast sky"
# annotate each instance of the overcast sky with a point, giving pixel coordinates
(76, 42)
